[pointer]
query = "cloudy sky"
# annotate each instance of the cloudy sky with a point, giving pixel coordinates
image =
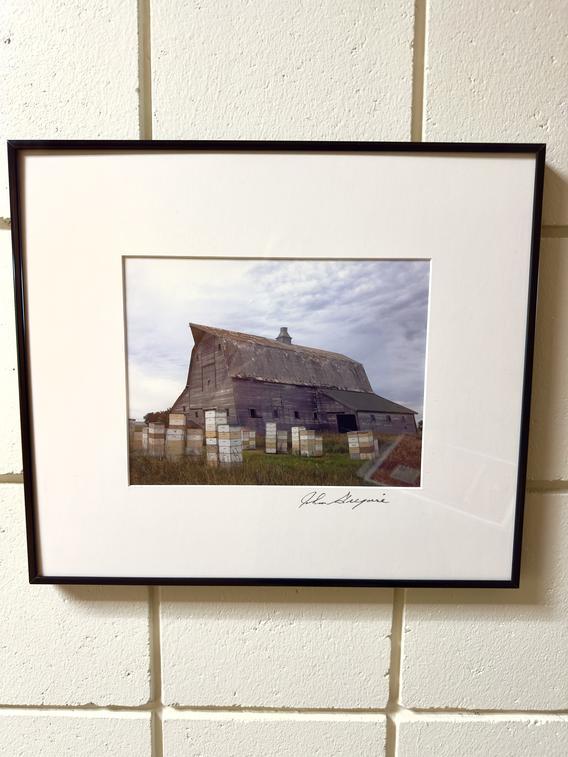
(372, 311)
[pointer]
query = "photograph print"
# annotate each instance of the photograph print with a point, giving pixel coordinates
(275, 371)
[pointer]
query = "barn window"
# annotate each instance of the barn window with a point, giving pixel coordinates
(252, 412)
(219, 347)
(275, 413)
(196, 414)
(388, 419)
(315, 416)
(296, 414)
(183, 408)
(373, 419)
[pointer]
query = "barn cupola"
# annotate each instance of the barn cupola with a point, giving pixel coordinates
(284, 336)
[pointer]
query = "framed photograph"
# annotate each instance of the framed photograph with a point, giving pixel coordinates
(302, 363)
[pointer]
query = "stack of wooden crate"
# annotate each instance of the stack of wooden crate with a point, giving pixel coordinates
(307, 442)
(221, 417)
(296, 439)
(282, 442)
(138, 436)
(271, 438)
(310, 444)
(361, 445)
(194, 442)
(175, 436)
(230, 445)
(248, 438)
(177, 420)
(318, 446)
(211, 437)
(175, 442)
(156, 439)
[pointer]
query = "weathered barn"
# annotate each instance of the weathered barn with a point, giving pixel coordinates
(258, 379)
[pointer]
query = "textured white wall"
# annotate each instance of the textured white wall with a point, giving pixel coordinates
(218, 672)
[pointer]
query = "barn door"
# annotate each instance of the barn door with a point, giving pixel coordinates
(346, 422)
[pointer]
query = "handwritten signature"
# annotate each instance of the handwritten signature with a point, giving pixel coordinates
(321, 498)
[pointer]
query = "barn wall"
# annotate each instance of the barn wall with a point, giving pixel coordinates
(181, 405)
(286, 399)
(387, 423)
(209, 384)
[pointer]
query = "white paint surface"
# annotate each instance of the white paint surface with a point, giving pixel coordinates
(325, 69)
(304, 648)
(470, 736)
(496, 650)
(502, 650)
(55, 733)
(498, 71)
(69, 71)
(66, 645)
(256, 735)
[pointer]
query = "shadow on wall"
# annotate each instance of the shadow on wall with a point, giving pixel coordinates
(239, 594)
(537, 574)
(548, 359)
(555, 197)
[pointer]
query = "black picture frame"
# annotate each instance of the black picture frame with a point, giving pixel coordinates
(16, 148)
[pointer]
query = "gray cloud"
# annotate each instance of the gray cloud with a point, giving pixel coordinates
(373, 311)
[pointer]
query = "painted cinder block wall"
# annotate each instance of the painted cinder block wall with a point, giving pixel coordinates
(358, 673)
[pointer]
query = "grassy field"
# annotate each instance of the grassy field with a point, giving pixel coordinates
(333, 469)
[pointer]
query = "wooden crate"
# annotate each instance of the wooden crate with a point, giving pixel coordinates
(318, 446)
(131, 427)
(282, 442)
(221, 417)
(270, 438)
(175, 443)
(137, 443)
(194, 442)
(307, 442)
(230, 445)
(211, 457)
(362, 445)
(295, 434)
(156, 439)
(248, 438)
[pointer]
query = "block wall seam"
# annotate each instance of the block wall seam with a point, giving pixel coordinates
(156, 672)
(396, 713)
(393, 704)
(418, 70)
(144, 69)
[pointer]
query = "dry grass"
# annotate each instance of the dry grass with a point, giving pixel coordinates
(258, 468)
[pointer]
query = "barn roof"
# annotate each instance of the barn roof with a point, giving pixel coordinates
(366, 401)
(256, 357)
